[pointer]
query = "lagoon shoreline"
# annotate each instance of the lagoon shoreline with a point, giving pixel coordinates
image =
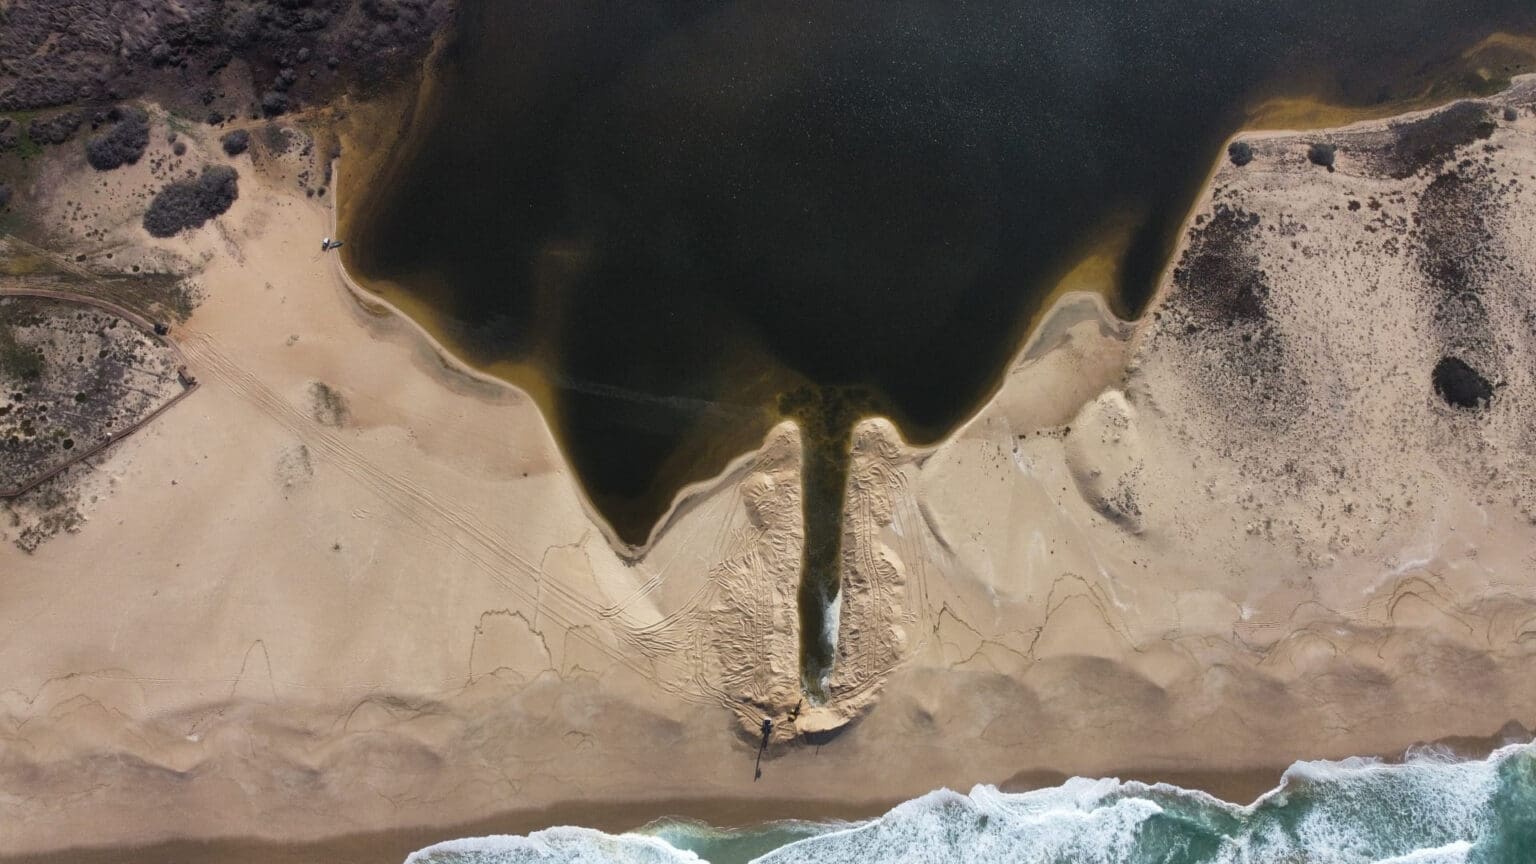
(403, 613)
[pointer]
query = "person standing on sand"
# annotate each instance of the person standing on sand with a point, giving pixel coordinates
(767, 731)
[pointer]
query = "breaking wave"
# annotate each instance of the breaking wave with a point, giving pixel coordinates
(1428, 809)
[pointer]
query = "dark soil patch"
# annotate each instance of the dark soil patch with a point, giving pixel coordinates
(1460, 385)
(189, 203)
(275, 138)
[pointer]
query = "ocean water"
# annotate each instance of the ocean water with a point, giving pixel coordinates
(1428, 809)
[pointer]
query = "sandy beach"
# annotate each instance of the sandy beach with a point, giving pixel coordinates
(347, 599)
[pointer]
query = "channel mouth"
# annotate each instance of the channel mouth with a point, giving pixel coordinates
(826, 416)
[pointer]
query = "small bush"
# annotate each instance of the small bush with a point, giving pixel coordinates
(1240, 152)
(1460, 385)
(236, 142)
(185, 204)
(1322, 154)
(121, 145)
(274, 103)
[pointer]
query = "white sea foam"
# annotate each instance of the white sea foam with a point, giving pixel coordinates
(1451, 853)
(560, 845)
(1428, 809)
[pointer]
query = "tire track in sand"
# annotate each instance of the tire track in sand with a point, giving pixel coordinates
(453, 528)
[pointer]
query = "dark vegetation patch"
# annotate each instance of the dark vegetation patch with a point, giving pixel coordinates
(1217, 313)
(301, 49)
(10, 135)
(1240, 152)
(5, 196)
(1454, 232)
(55, 129)
(1218, 280)
(276, 139)
(1511, 115)
(18, 362)
(1460, 385)
(1322, 154)
(122, 144)
(236, 142)
(1429, 141)
(1458, 256)
(184, 204)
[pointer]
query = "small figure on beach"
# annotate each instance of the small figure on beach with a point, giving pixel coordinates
(327, 244)
(767, 731)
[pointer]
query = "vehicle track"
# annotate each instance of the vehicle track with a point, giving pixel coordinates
(448, 526)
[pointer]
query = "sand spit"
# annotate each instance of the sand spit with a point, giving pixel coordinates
(345, 589)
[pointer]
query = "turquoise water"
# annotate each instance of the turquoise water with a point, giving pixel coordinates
(1428, 809)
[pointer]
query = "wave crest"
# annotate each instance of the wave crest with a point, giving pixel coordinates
(1428, 809)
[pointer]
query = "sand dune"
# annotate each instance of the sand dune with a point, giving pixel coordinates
(347, 587)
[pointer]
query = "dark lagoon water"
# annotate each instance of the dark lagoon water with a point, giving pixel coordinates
(690, 218)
